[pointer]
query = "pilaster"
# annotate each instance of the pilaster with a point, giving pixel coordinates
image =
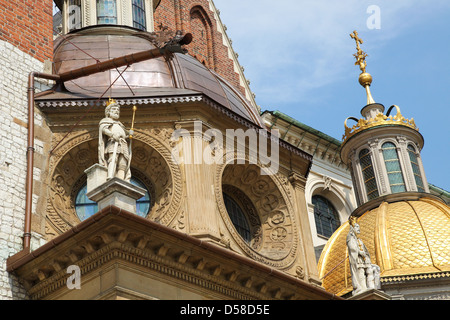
(299, 182)
(199, 179)
(408, 175)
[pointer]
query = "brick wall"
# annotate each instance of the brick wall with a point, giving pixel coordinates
(195, 16)
(27, 24)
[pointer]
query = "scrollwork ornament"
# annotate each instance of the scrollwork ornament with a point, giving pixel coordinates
(261, 187)
(300, 273)
(270, 202)
(140, 155)
(83, 156)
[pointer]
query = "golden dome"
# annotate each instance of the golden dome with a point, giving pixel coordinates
(409, 239)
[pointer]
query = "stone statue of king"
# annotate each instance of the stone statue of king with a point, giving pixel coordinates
(365, 274)
(114, 151)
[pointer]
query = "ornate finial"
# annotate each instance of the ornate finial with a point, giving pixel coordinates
(365, 79)
(359, 55)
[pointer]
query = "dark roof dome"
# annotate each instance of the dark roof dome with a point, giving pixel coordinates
(159, 76)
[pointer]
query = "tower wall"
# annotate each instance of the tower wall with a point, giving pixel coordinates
(28, 25)
(25, 43)
(199, 17)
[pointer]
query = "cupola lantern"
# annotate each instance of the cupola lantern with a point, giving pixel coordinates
(77, 14)
(382, 150)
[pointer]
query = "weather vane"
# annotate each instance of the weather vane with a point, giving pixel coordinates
(359, 55)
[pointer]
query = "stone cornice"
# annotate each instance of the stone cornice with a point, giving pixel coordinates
(125, 101)
(117, 235)
(297, 181)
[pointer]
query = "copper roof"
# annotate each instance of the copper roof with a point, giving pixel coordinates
(164, 76)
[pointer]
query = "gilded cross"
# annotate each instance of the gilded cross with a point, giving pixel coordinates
(358, 40)
(359, 55)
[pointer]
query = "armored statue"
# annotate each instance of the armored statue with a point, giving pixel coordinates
(114, 151)
(365, 274)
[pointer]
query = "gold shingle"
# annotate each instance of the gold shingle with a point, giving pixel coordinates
(407, 239)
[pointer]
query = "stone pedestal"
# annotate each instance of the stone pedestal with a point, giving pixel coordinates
(96, 176)
(116, 192)
(372, 294)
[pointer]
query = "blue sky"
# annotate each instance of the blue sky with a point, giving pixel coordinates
(298, 56)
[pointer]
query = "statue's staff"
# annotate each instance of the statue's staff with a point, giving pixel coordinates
(131, 132)
(132, 122)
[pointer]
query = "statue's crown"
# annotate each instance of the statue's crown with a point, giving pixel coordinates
(110, 101)
(352, 221)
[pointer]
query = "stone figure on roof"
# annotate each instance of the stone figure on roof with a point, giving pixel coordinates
(365, 274)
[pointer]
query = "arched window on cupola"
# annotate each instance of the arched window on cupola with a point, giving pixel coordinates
(139, 20)
(106, 12)
(74, 14)
(415, 168)
(368, 174)
(393, 168)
